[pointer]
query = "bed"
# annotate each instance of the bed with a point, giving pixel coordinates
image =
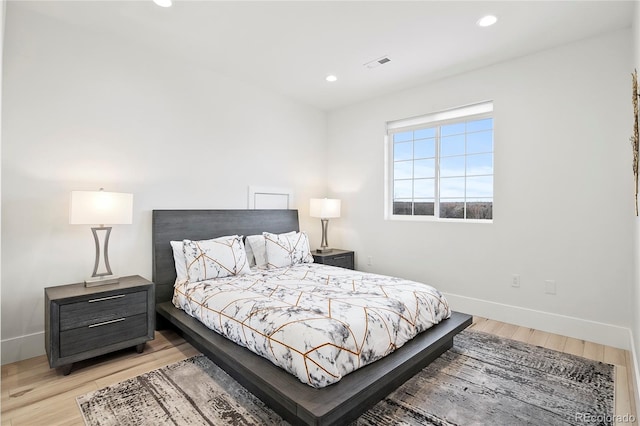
(295, 401)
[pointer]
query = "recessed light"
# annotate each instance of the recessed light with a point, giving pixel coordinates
(331, 78)
(487, 21)
(163, 3)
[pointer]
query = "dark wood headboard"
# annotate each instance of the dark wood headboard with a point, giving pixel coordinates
(172, 225)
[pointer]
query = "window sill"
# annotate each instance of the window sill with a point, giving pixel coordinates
(408, 218)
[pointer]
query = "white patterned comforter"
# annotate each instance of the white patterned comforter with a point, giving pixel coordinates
(317, 322)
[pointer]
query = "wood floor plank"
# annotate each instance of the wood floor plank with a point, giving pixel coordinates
(171, 356)
(631, 384)
(26, 372)
(538, 338)
(594, 351)
(614, 356)
(622, 401)
(556, 342)
(478, 323)
(574, 346)
(492, 326)
(152, 363)
(50, 418)
(506, 330)
(522, 334)
(27, 365)
(63, 403)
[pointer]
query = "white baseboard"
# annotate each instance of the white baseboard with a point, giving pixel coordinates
(22, 347)
(593, 331)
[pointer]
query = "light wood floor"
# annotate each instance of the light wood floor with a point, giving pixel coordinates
(34, 394)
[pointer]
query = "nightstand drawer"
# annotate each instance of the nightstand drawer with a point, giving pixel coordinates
(336, 257)
(343, 261)
(102, 334)
(99, 309)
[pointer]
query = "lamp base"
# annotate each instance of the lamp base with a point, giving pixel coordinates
(97, 281)
(324, 250)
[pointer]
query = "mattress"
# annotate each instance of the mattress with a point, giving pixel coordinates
(317, 322)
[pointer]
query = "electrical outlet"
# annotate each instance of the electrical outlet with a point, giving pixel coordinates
(550, 286)
(515, 280)
(369, 260)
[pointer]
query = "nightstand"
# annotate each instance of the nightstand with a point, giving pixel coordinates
(84, 322)
(336, 257)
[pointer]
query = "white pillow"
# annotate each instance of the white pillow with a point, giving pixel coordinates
(250, 257)
(259, 250)
(179, 260)
(216, 258)
(286, 250)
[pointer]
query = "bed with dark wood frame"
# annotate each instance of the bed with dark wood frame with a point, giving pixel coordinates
(295, 401)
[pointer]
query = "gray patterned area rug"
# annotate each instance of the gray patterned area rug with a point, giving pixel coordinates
(482, 380)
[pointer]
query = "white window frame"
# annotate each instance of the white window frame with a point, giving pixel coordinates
(468, 112)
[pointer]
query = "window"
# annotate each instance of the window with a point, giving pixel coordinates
(441, 164)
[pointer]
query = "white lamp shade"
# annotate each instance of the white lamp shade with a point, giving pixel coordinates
(101, 208)
(324, 208)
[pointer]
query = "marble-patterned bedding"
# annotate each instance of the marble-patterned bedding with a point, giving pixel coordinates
(317, 322)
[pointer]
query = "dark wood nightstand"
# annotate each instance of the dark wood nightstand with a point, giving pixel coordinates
(336, 257)
(84, 322)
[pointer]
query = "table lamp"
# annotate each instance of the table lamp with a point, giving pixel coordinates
(101, 208)
(325, 209)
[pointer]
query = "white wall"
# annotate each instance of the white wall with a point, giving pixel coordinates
(84, 110)
(563, 192)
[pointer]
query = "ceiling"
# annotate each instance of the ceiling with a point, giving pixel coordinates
(290, 47)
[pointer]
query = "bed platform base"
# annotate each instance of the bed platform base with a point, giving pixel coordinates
(300, 404)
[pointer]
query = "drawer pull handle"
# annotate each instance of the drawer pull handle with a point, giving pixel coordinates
(106, 322)
(339, 257)
(107, 298)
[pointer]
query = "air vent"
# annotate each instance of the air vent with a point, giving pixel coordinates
(377, 62)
